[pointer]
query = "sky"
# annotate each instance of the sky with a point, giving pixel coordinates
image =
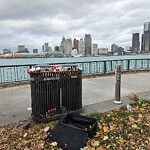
(35, 22)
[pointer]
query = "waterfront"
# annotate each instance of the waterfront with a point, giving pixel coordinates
(15, 70)
(25, 61)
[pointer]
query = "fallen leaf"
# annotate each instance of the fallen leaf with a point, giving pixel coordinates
(132, 142)
(134, 126)
(97, 134)
(100, 148)
(133, 97)
(105, 128)
(25, 135)
(121, 140)
(95, 143)
(144, 104)
(140, 116)
(131, 119)
(87, 148)
(148, 125)
(105, 138)
(99, 126)
(53, 144)
(41, 145)
(112, 127)
(46, 129)
(148, 146)
(142, 109)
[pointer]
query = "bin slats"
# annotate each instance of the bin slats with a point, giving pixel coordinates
(46, 99)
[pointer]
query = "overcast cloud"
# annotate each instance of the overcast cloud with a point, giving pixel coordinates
(33, 23)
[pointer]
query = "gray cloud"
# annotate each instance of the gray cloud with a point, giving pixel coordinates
(35, 22)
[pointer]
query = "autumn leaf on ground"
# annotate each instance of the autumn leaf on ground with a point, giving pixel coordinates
(95, 143)
(105, 128)
(46, 129)
(131, 119)
(105, 138)
(142, 109)
(53, 144)
(134, 126)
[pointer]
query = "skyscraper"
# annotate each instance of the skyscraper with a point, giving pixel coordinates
(81, 46)
(88, 44)
(135, 43)
(46, 48)
(114, 48)
(146, 38)
(94, 49)
(66, 46)
(75, 43)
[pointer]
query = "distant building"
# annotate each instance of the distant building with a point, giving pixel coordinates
(57, 48)
(103, 51)
(62, 47)
(35, 50)
(145, 45)
(46, 48)
(135, 43)
(81, 46)
(142, 43)
(22, 49)
(94, 49)
(66, 46)
(114, 48)
(147, 26)
(88, 44)
(75, 43)
(120, 51)
(6, 51)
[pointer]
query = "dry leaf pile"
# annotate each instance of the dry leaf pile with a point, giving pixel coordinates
(119, 129)
(123, 129)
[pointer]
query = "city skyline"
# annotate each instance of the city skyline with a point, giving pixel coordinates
(35, 23)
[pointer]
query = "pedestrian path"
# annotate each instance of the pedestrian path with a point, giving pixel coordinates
(97, 96)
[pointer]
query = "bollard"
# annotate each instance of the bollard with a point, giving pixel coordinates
(118, 85)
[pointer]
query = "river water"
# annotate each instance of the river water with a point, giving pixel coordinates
(25, 61)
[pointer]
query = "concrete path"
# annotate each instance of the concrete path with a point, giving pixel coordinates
(97, 96)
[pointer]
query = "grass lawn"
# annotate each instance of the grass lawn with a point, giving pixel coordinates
(120, 129)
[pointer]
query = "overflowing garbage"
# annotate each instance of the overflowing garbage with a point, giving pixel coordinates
(55, 90)
(53, 68)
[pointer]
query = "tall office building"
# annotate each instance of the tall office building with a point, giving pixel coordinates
(66, 46)
(81, 46)
(135, 43)
(22, 49)
(114, 48)
(88, 44)
(146, 38)
(75, 43)
(62, 47)
(46, 48)
(94, 49)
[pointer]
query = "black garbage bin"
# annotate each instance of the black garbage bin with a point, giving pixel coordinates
(72, 90)
(54, 91)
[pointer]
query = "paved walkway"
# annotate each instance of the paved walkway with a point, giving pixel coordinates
(97, 96)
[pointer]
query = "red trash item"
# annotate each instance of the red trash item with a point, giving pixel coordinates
(50, 69)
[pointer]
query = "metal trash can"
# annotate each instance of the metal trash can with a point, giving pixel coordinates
(55, 91)
(72, 89)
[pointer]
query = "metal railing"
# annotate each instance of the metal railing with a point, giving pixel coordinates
(18, 73)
